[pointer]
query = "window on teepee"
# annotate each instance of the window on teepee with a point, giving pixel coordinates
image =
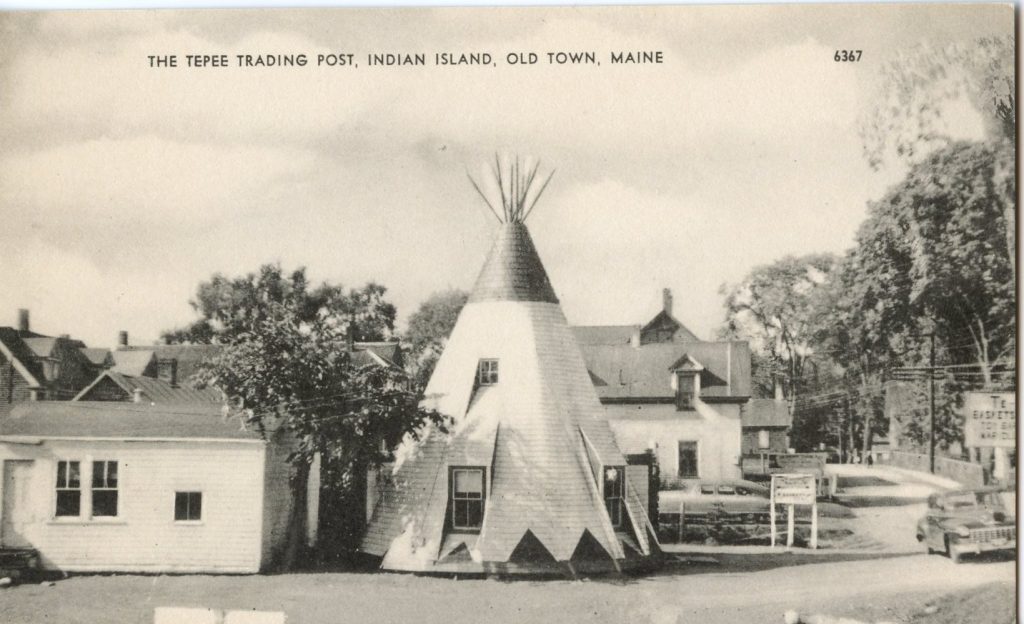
(487, 372)
(467, 498)
(614, 487)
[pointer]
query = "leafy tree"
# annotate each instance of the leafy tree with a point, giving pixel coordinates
(919, 86)
(286, 368)
(230, 306)
(773, 308)
(930, 258)
(429, 328)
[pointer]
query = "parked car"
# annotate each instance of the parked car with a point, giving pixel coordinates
(970, 522)
(733, 496)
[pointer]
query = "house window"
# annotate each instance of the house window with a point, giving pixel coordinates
(487, 372)
(104, 488)
(614, 486)
(688, 459)
(69, 489)
(188, 506)
(764, 439)
(684, 391)
(467, 498)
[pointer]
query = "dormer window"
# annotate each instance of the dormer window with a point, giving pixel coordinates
(487, 372)
(686, 390)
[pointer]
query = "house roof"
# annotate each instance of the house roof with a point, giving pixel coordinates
(131, 362)
(603, 334)
(389, 352)
(766, 413)
(155, 390)
(189, 356)
(97, 356)
(100, 419)
(626, 372)
(21, 356)
(41, 346)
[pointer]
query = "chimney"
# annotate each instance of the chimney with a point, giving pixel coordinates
(666, 300)
(122, 339)
(634, 338)
(779, 396)
(23, 319)
(167, 370)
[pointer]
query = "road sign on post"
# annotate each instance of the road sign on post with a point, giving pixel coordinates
(792, 490)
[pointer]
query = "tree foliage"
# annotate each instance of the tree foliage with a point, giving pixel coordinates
(920, 86)
(429, 328)
(285, 365)
(773, 308)
(229, 306)
(930, 257)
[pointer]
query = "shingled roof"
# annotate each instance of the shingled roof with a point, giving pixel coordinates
(153, 390)
(14, 348)
(87, 419)
(513, 271)
(624, 372)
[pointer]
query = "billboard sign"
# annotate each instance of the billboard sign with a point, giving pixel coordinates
(990, 419)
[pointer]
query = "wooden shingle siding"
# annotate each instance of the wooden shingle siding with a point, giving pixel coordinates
(541, 407)
(144, 536)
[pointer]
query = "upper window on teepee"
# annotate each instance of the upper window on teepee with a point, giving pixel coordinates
(487, 372)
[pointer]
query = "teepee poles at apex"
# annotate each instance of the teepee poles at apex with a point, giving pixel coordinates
(515, 182)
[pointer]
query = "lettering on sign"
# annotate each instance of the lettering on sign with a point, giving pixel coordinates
(793, 489)
(990, 420)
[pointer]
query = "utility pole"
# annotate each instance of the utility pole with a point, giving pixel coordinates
(931, 406)
(911, 373)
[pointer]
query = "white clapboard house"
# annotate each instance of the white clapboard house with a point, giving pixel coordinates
(141, 487)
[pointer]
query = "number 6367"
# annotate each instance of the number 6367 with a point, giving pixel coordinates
(847, 56)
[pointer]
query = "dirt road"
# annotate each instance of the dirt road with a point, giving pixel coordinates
(710, 593)
(752, 585)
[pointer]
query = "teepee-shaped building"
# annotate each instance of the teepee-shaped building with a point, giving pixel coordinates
(529, 478)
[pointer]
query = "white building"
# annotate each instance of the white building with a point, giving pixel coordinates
(665, 390)
(133, 487)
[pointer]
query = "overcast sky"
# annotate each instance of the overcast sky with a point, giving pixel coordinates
(122, 187)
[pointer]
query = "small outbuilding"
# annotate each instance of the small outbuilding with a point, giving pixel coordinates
(137, 487)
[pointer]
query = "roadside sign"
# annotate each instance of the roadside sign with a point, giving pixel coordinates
(794, 489)
(990, 420)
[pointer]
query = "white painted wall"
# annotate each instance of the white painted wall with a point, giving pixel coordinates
(716, 427)
(144, 536)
